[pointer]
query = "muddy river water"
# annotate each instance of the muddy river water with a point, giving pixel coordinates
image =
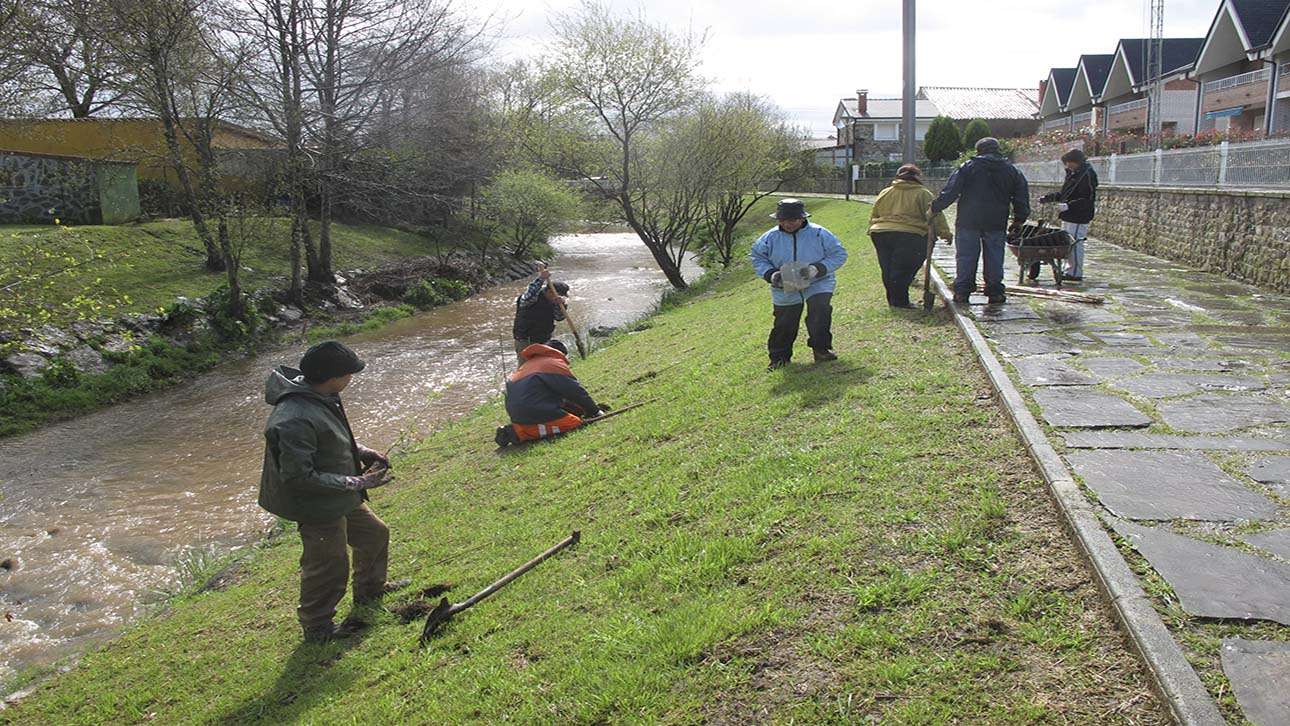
(99, 511)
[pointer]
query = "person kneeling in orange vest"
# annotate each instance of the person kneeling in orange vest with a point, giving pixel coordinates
(543, 398)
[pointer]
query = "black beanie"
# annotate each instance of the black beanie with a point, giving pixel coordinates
(327, 360)
(561, 288)
(558, 345)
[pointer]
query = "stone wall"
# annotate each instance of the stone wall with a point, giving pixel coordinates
(41, 188)
(1244, 235)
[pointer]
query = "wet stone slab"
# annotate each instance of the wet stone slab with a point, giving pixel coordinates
(1167, 485)
(1124, 340)
(1165, 385)
(1276, 541)
(1215, 412)
(1213, 581)
(1078, 407)
(1064, 313)
(1111, 368)
(1049, 371)
(1005, 313)
(1033, 344)
(1273, 471)
(1143, 440)
(1006, 327)
(1214, 365)
(1260, 674)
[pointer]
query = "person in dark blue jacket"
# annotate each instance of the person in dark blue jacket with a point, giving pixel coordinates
(985, 188)
(799, 260)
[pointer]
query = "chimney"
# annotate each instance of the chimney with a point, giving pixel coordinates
(1043, 86)
(862, 102)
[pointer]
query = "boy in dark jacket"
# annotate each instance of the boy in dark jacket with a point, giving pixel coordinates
(536, 311)
(985, 188)
(314, 475)
(1076, 204)
(543, 399)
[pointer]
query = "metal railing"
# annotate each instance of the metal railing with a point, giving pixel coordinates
(1248, 165)
(1127, 106)
(1056, 123)
(1080, 120)
(1239, 80)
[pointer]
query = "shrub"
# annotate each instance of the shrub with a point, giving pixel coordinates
(526, 208)
(437, 291)
(942, 142)
(976, 130)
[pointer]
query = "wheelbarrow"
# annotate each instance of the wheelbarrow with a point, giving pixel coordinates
(1038, 242)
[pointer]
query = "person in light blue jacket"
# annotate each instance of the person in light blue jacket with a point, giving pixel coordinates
(799, 260)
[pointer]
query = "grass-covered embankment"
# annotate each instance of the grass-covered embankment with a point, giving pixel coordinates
(58, 276)
(864, 538)
(69, 273)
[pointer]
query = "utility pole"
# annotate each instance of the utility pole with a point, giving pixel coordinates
(908, 106)
(1155, 73)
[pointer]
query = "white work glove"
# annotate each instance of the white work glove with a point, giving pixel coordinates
(1063, 206)
(777, 279)
(814, 270)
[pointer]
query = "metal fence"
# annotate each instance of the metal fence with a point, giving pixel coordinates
(1253, 164)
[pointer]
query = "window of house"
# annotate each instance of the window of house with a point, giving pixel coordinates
(885, 132)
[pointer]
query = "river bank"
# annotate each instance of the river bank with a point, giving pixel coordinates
(58, 362)
(105, 513)
(859, 540)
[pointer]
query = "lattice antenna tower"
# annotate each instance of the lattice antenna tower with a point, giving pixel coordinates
(1155, 71)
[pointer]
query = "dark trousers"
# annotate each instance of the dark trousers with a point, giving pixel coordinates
(819, 324)
(900, 254)
(324, 563)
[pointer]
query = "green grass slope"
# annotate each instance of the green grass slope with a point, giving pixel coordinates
(97, 270)
(827, 543)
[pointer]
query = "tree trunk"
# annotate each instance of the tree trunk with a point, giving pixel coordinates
(214, 260)
(323, 272)
(296, 292)
(236, 308)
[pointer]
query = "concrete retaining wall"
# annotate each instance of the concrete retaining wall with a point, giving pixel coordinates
(1244, 235)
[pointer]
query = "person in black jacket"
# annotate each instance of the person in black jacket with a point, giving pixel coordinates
(1075, 207)
(536, 311)
(985, 188)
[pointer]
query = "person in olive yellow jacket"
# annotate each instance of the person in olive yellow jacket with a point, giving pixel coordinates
(898, 227)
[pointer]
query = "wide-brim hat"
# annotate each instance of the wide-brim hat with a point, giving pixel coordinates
(790, 209)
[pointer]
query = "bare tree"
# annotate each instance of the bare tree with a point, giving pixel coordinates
(276, 32)
(69, 64)
(748, 151)
(161, 43)
(359, 54)
(628, 76)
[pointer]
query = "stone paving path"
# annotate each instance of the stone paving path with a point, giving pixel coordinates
(1171, 402)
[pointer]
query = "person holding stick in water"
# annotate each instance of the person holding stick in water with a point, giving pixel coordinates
(317, 475)
(537, 310)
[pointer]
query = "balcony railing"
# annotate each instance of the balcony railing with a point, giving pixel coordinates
(1127, 106)
(1059, 122)
(1241, 80)
(1081, 120)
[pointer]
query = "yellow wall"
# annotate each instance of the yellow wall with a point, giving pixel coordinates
(137, 139)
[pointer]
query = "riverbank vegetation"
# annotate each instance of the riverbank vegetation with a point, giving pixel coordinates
(858, 540)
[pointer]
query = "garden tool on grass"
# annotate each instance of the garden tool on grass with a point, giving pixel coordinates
(445, 610)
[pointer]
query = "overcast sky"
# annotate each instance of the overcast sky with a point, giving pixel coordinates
(807, 54)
